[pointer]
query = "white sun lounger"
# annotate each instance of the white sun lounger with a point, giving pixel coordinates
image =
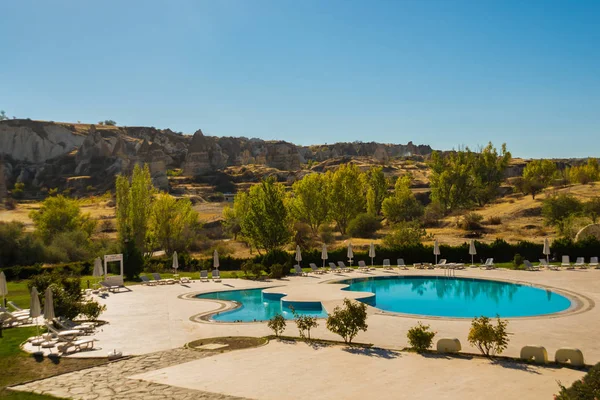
(566, 263)
(529, 266)
(7, 319)
(62, 335)
(161, 281)
(18, 310)
(544, 264)
(77, 345)
(333, 268)
(83, 329)
(594, 263)
(386, 265)
(204, 276)
(489, 264)
(401, 264)
(147, 281)
(442, 263)
(362, 266)
(216, 275)
(580, 263)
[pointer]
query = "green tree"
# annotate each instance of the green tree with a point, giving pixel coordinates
(310, 202)
(231, 222)
(346, 199)
(173, 223)
(364, 226)
(587, 173)
(402, 206)
(349, 320)
(586, 388)
(537, 175)
(592, 208)
(264, 218)
(557, 209)
(463, 178)
(376, 188)
(60, 214)
(3, 115)
(277, 324)
(405, 234)
(110, 122)
(134, 206)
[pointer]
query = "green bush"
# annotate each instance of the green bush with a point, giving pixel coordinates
(470, 222)
(364, 226)
(277, 324)
(518, 260)
(420, 337)
(489, 339)
(586, 388)
(405, 234)
(432, 214)
(349, 320)
(326, 233)
(277, 271)
(304, 323)
(253, 268)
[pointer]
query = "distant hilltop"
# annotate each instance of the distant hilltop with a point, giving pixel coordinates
(56, 154)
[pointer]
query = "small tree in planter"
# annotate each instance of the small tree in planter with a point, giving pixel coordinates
(277, 324)
(489, 339)
(349, 320)
(420, 337)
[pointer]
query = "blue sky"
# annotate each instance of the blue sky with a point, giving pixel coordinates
(446, 73)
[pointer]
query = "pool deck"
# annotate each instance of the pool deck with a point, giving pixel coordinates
(149, 319)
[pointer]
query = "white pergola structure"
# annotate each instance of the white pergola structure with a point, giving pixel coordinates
(110, 258)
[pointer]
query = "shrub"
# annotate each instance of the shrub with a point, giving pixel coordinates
(18, 190)
(349, 320)
(587, 388)
(489, 339)
(91, 310)
(420, 337)
(276, 257)
(277, 324)
(364, 226)
(304, 323)
(556, 209)
(10, 203)
(405, 234)
(326, 233)
(277, 271)
(247, 267)
(493, 221)
(518, 260)
(250, 267)
(470, 221)
(432, 214)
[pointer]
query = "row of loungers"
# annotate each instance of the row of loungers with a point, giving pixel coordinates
(66, 335)
(158, 280)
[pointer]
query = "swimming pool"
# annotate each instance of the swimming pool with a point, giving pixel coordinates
(458, 297)
(259, 306)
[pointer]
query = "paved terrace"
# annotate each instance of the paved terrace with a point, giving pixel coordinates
(158, 318)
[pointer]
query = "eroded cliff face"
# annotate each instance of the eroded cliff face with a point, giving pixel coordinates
(48, 154)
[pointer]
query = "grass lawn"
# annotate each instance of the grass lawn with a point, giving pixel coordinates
(16, 366)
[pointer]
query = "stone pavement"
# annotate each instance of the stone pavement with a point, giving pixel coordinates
(111, 381)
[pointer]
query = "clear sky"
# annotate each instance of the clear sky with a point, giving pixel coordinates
(446, 73)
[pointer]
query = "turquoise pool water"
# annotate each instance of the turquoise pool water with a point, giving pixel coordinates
(458, 297)
(259, 306)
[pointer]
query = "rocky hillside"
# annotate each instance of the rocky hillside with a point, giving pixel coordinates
(84, 157)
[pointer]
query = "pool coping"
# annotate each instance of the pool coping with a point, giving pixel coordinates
(578, 300)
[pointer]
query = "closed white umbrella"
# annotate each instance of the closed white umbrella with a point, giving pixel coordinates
(372, 252)
(175, 262)
(3, 287)
(34, 308)
(546, 250)
(324, 255)
(216, 259)
(436, 250)
(97, 272)
(472, 250)
(48, 305)
(298, 257)
(350, 254)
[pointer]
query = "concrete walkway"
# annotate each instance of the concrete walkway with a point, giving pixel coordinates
(299, 371)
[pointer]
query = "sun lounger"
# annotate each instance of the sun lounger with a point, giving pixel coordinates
(489, 264)
(428, 266)
(161, 281)
(386, 265)
(147, 281)
(333, 268)
(566, 263)
(216, 275)
(442, 263)
(580, 263)
(7, 319)
(544, 264)
(418, 266)
(298, 270)
(72, 324)
(401, 264)
(529, 266)
(62, 335)
(77, 345)
(362, 266)
(316, 270)
(594, 263)
(15, 313)
(18, 310)
(185, 279)
(343, 267)
(457, 266)
(204, 276)
(113, 284)
(83, 330)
